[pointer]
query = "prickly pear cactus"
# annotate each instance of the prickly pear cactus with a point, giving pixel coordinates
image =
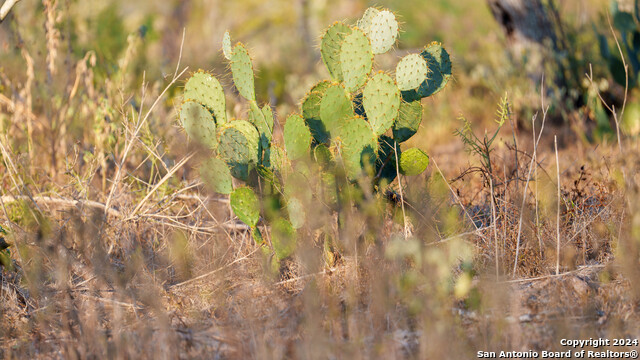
(335, 107)
(356, 59)
(352, 124)
(411, 72)
(381, 102)
(408, 121)
(239, 143)
(204, 88)
(413, 162)
(242, 71)
(199, 123)
(439, 65)
(331, 46)
(245, 205)
(216, 174)
(358, 146)
(383, 31)
(297, 137)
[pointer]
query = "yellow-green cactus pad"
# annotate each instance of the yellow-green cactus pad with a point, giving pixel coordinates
(242, 72)
(413, 162)
(381, 101)
(217, 176)
(356, 60)
(198, 122)
(411, 72)
(206, 89)
(238, 146)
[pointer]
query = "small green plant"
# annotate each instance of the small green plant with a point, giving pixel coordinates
(349, 126)
(484, 146)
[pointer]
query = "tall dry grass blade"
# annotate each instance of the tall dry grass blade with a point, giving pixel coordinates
(404, 215)
(555, 143)
(495, 225)
(526, 186)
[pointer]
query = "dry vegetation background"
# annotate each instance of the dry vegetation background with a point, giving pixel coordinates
(117, 250)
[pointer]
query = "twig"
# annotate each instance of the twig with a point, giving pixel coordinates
(162, 181)
(555, 142)
(200, 277)
(404, 215)
(455, 195)
(6, 7)
(63, 202)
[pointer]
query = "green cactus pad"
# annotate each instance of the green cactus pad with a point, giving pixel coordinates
(238, 147)
(358, 145)
(365, 22)
(283, 238)
(413, 162)
(297, 213)
(217, 176)
(206, 89)
(381, 101)
(383, 32)
(411, 72)
(356, 60)
(198, 123)
(242, 71)
(297, 137)
(262, 119)
(311, 111)
(386, 162)
(245, 205)
(335, 107)
(408, 121)
(226, 45)
(274, 158)
(330, 48)
(439, 64)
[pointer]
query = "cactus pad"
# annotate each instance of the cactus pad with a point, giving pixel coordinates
(238, 147)
(245, 205)
(411, 71)
(358, 145)
(226, 45)
(283, 238)
(297, 137)
(206, 89)
(383, 31)
(217, 176)
(297, 214)
(381, 101)
(413, 162)
(262, 119)
(330, 48)
(439, 65)
(365, 22)
(408, 121)
(242, 71)
(335, 107)
(311, 111)
(356, 59)
(198, 123)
